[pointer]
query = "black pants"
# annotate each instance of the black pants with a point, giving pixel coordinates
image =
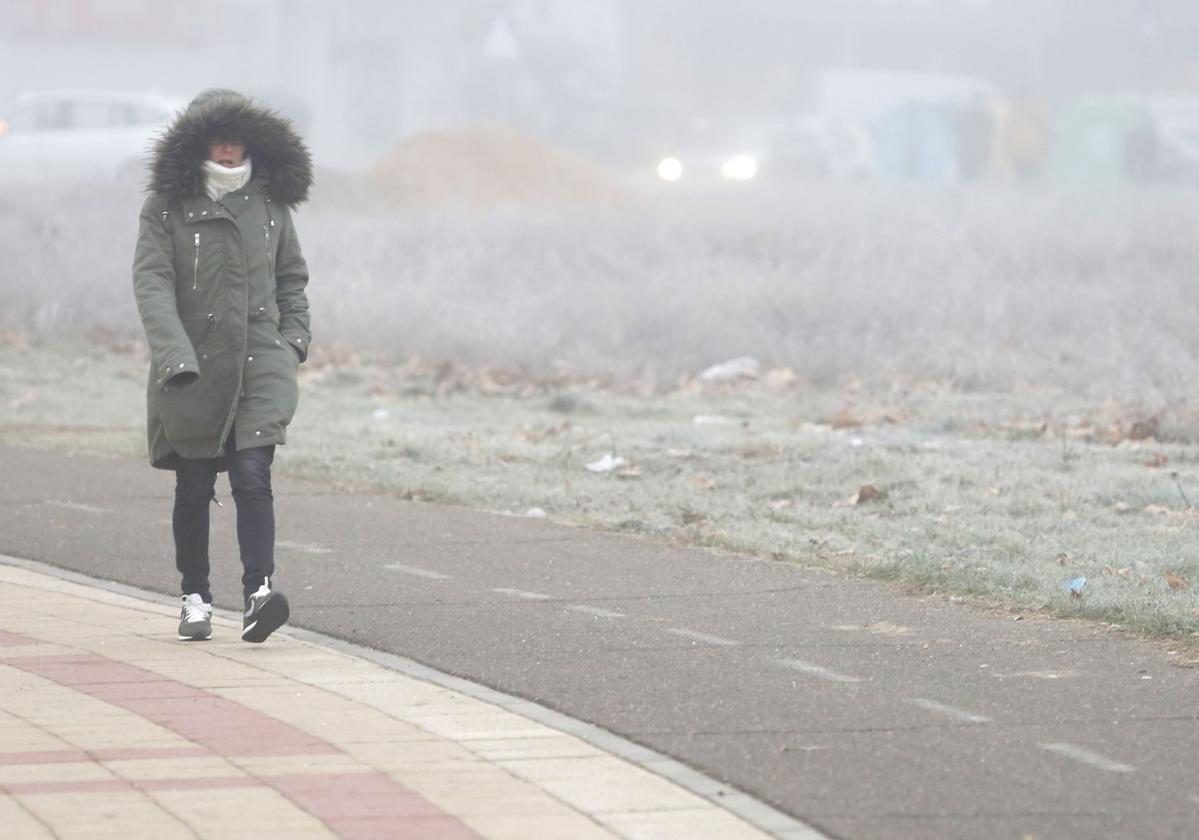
(250, 480)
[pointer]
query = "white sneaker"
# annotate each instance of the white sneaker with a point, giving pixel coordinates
(195, 620)
(266, 611)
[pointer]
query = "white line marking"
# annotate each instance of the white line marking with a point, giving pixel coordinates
(1088, 757)
(62, 503)
(416, 571)
(600, 611)
(701, 637)
(950, 711)
(520, 593)
(817, 671)
(308, 547)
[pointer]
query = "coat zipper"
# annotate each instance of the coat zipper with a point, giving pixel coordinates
(270, 262)
(196, 264)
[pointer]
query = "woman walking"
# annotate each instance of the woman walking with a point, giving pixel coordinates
(220, 285)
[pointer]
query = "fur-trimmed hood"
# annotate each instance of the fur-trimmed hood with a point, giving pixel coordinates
(177, 166)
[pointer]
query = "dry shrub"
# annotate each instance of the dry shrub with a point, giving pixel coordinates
(981, 287)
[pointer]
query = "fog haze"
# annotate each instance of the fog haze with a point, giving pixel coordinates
(960, 189)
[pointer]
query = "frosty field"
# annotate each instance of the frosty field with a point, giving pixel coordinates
(980, 393)
(976, 493)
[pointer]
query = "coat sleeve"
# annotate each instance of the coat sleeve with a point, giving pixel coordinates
(291, 280)
(171, 351)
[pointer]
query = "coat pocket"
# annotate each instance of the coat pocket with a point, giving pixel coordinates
(199, 411)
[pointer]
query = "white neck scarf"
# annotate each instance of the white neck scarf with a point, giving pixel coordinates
(222, 180)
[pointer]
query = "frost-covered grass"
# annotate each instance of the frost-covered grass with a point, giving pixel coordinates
(997, 363)
(979, 493)
(987, 287)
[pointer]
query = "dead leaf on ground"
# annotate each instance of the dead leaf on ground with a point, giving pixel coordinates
(1157, 461)
(629, 472)
(844, 420)
(704, 483)
(1176, 582)
(780, 378)
(866, 493)
(1156, 510)
(1063, 559)
(1144, 429)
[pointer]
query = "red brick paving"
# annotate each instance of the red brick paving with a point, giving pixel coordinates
(8, 639)
(356, 806)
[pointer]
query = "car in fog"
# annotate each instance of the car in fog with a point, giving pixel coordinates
(80, 134)
(773, 149)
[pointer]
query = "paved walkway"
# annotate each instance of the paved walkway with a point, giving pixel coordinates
(841, 702)
(110, 727)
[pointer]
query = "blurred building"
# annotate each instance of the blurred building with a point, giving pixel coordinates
(612, 77)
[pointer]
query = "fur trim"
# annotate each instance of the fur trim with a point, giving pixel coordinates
(177, 168)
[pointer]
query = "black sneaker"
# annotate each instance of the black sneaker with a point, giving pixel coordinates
(195, 619)
(266, 612)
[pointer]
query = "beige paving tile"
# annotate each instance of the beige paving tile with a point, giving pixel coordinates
(282, 654)
(397, 755)
(143, 652)
(446, 703)
(66, 771)
(118, 739)
(548, 746)
(38, 651)
(328, 716)
(321, 670)
(604, 784)
(289, 765)
(506, 776)
(483, 723)
(482, 791)
(701, 824)
(555, 827)
(242, 813)
(19, 823)
(205, 670)
(103, 815)
(195, 767)
(26, 738)
(401, 694)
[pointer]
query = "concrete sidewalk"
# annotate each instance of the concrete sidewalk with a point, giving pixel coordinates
(110, 727)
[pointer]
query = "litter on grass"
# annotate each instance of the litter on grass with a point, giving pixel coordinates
(606, 464)
(744, 367)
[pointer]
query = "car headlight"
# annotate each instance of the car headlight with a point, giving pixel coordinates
(739, 168)
(670, 169)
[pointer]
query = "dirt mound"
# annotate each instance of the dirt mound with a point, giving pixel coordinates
(483, 166)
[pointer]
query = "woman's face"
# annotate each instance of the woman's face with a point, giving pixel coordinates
(227, 152)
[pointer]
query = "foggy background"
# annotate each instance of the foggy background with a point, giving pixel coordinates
(975, 191)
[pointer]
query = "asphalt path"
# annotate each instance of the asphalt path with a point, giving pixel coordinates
(860, 710)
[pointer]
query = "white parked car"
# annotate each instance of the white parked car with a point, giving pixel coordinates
(80, 134)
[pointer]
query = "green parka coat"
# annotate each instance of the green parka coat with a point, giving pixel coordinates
(220, 285)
